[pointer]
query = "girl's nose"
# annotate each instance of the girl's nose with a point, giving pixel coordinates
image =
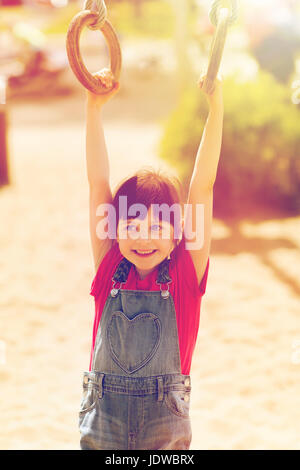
(144, 233)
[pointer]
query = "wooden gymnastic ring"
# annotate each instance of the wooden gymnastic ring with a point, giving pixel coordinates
(216, 51)
(87, 79)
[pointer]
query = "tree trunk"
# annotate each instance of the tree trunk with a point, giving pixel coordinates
(184, 71)
(137, 8)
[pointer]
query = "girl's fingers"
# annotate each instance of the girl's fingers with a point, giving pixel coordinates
(219, 79)
(105, 76)
(105, 82)
(201, 79)
(115, 88)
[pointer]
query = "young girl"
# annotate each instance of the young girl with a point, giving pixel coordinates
(151, 273)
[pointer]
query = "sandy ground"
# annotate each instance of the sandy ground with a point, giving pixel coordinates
(246, 367)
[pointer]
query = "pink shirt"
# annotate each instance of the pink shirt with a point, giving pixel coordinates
(184, 288)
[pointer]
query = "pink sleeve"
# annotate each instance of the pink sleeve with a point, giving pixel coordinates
(203, 283)
(185, 265)
(105, 270)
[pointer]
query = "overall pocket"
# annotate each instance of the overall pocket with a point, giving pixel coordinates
(133, 341)
(89, 396)
(178, 402)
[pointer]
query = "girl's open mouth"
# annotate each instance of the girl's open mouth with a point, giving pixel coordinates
(144, 253)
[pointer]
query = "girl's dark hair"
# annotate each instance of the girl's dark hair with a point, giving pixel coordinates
(150, 186)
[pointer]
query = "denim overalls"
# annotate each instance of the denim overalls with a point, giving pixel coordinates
(135, 396)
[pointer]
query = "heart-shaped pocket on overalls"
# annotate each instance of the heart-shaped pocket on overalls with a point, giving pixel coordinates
(133, 341)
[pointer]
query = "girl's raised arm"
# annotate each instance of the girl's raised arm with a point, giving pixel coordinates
(98, 165)
(202, 183)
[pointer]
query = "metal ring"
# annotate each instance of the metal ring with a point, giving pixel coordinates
(216, 53)
(165, 293)
(88, 80)
(114, 291)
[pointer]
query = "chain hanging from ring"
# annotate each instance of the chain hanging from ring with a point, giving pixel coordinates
(96, 6)
(215, 8)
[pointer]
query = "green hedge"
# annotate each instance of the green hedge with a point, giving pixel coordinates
(260, 158)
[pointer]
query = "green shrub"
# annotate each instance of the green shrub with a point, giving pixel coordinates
(260, 161)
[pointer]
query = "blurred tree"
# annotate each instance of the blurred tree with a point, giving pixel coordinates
(274, 36)
(182, 11)
(138, 8)
(259, 162)
(277, 53)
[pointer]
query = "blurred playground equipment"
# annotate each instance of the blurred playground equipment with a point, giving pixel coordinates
(26, 61)
(27, 65)
(94, 16)
(27, 68)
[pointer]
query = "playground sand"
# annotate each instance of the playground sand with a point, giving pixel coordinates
(245, 371)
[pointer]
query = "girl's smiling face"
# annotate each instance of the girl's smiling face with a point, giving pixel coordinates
(145, 243)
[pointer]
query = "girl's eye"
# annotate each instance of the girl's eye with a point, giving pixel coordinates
(155, 227)
(129, 227)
